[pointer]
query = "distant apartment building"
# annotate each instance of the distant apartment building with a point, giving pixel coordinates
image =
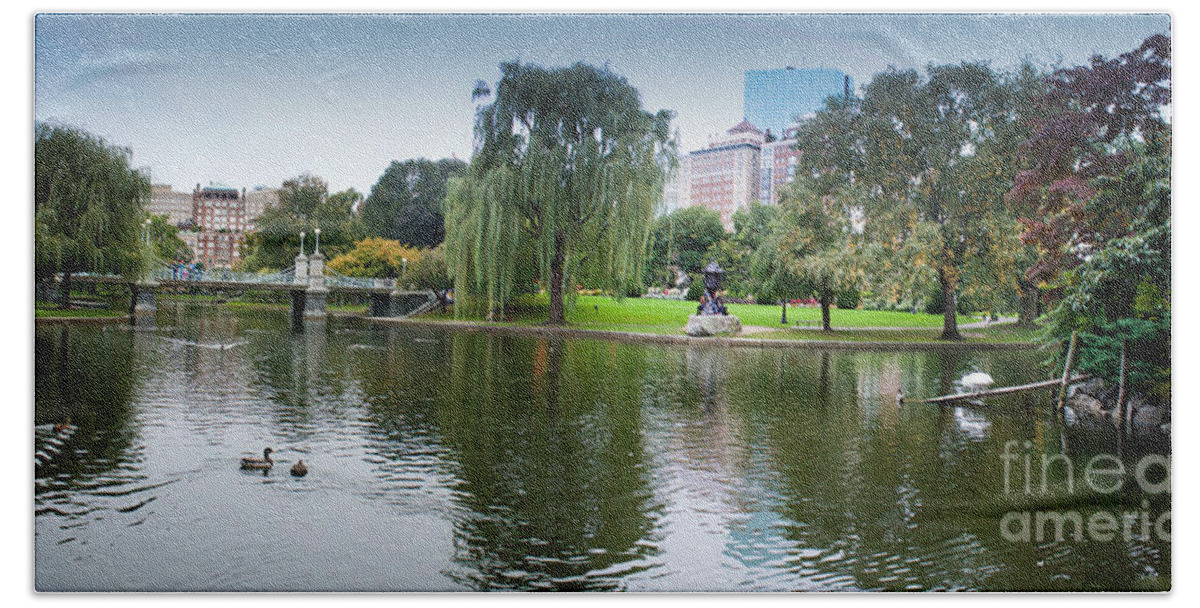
(219, 208)
(677, 187)
(777, 167)
(175, 206)
(259, 200)
(775, 99)
(755, 159)
(220, 214)
(215, 219)
(724, 176)
(218, 249)
(733, 171)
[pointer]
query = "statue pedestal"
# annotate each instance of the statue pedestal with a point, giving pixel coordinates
(713, 325)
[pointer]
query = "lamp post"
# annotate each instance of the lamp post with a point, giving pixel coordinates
(301, 242)
(317, 250)
(403, 269)
(146, 233)
(783, 319)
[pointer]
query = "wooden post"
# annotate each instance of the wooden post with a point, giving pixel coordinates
(1067, 367)
(1002, 391)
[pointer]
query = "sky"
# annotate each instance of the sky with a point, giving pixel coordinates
(250, 100)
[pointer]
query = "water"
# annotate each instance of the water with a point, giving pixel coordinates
(453, 460)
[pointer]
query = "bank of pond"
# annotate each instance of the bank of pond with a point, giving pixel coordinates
(441, 459)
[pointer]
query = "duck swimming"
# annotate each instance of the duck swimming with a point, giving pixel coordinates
(259, 463)
(63, 427)
(299, 470)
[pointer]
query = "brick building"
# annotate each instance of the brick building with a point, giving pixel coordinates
(725, 176)
(175, 206)
(777, 168)
(214, 219)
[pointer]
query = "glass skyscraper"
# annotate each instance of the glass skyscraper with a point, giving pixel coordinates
(774, 98)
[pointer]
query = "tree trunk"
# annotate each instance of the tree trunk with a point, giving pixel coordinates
(826, 300)
(950, 320)
(1027, 310)
(557, 313)
(65, 297)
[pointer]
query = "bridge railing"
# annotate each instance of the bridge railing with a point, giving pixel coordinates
(336, 279)
(169, 273)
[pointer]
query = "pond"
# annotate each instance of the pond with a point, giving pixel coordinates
(443, 459)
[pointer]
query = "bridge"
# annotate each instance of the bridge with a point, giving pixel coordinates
(309, 282)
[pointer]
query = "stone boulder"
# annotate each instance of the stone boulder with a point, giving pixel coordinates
(1148, 415)
(1084, 403)
(713, 325)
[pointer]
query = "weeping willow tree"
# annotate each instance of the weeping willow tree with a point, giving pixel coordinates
(88, 206)
(567, 171)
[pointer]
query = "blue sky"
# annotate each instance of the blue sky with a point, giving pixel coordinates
(250, 100)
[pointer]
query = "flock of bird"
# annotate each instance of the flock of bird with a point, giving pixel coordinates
(64, 430)
(265, 463)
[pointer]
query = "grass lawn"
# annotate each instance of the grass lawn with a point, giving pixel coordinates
(1006, 333)
(41, 312)
(647, 315)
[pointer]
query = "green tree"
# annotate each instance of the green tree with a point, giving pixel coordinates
(771, 278)
(374, 257)
(304, 205)
(405, 204)
(814, 241)
(87, 206)
(752, 224)
(924, 159)
(751, 272)
(566, 160)
(1120, 292)
(164, 235)
(429, 271)
(683, 238)
(1096, 203)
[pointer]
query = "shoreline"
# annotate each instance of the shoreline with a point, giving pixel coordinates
(619, 336)
(99, 320)
(644, 338)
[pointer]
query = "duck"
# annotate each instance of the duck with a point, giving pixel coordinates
(299, 470)
(259, 463)
(64, 426)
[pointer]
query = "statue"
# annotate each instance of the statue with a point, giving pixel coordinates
(710, 302)
(712, 318)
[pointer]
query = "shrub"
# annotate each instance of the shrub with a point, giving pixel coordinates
(849, 298)
(374, 257)
(528, 304)
(696, 289)
(429, 270)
